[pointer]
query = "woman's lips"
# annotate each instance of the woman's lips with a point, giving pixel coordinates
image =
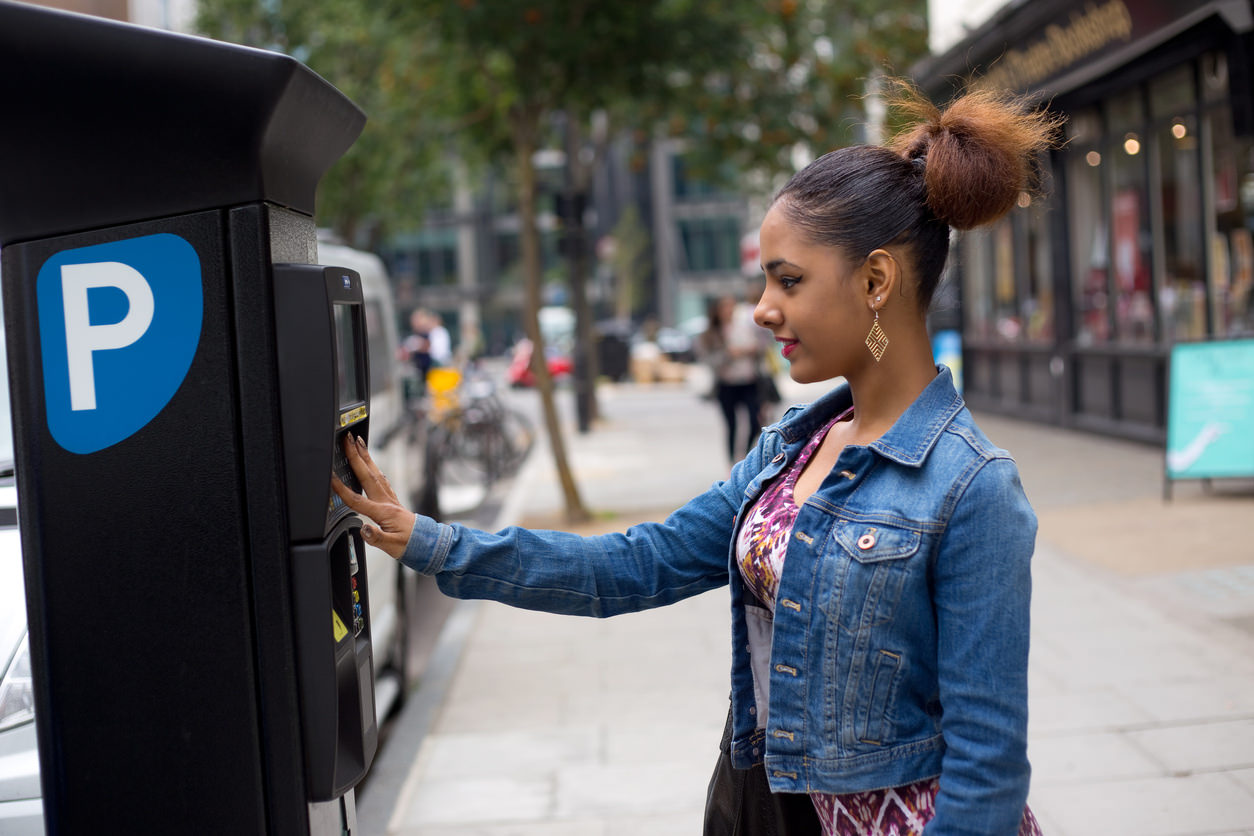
(786, 347)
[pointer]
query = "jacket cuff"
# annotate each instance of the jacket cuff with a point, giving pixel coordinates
(428, 545)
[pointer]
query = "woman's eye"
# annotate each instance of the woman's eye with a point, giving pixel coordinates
(789, 282)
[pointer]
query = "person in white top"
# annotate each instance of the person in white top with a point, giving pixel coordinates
(733, 350)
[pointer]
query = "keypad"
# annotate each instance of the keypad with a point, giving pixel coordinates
(340, 466)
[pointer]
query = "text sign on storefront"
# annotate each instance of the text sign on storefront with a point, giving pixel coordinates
(1059, 39)
(1210, 412)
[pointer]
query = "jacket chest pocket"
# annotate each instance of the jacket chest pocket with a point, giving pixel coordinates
(875, 562)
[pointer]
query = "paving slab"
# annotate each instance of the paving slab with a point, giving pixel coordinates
(1141, 673)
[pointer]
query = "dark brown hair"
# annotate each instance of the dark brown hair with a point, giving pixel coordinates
(962, 168)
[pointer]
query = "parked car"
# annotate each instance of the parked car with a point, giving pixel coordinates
(21, 805)
(519, 375)
(676, 344)
(21, 808)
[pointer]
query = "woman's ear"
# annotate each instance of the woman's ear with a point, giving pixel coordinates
(882, 274)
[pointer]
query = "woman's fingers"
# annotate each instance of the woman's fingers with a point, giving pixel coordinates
(352, 499)
(393, 521)
(373, 482)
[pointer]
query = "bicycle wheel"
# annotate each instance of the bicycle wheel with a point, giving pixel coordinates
(463, 453)
(461, 480)
(517, 436)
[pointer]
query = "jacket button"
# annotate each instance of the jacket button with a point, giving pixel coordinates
(866, 541)
(779, 457)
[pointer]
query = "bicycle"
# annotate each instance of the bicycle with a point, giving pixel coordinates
(473, 440)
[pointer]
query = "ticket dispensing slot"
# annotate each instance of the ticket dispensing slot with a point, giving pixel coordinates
(324, 396)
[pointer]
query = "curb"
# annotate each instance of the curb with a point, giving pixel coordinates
(405, 741)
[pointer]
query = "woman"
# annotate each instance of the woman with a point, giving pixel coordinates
(734, 352)
(877, 545)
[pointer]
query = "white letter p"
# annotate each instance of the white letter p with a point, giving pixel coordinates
(82, 338)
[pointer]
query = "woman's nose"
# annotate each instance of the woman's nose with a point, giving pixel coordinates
(765, 314)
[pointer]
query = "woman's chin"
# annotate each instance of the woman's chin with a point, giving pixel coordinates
(804, 376)
(800, 375)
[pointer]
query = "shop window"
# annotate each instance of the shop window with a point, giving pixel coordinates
(1175, 150)
(1006, 324)
(1090, 246)
(1182, 293)
(1007, 284)
(1231, 241)
(975, 247)
(1127, 143)
(1037, 300)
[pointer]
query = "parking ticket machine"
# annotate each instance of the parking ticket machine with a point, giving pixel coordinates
(320, 334)
(183, 375)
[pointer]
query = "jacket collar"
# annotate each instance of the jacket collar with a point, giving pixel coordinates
(909, 440)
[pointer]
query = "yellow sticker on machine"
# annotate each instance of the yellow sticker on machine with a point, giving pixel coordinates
(352, 416)
(337, 626)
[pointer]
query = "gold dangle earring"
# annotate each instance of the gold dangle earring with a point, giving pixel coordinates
(877, 340)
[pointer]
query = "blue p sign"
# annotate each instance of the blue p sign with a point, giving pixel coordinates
(119, 324)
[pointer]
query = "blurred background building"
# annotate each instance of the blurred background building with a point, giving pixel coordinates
(1142, 236)
(643, 195)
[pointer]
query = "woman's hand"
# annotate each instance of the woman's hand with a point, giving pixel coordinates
(393, 521)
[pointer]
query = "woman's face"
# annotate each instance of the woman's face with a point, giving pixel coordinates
(812, 303)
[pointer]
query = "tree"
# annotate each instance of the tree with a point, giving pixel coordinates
(394, 170)
(516, 63)
(749, 83)
(798, 87)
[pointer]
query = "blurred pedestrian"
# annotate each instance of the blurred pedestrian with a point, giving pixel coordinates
(876, 544)
(416, 348)
(769, 361)
(440, 344)
(735, 355)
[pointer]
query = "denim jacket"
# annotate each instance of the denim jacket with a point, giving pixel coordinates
(900, 638)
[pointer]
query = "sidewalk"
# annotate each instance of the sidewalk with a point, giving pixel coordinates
(1142, 662)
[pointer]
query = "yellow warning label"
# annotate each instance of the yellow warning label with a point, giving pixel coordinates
(337, 626)
(352, 416)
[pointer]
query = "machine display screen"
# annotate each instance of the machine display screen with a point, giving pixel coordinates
(349, 361)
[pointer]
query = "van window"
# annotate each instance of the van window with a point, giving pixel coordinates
(381, 356)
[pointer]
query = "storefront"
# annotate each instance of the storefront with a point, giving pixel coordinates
(1143, 232)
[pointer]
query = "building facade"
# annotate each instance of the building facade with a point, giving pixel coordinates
(1142, 233)
(465, 262)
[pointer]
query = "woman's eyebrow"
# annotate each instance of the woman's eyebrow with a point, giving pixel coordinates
(775, 263)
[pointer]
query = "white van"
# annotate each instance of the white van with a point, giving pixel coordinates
(390, 593)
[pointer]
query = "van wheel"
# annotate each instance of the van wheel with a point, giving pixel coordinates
(398, 653)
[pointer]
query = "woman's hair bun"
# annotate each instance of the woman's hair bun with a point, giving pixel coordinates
(978, 153)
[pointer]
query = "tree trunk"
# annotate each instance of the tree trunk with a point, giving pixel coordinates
(578, 186)
(525, 131)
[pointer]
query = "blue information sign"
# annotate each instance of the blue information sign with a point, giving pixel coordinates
(1210, 416)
